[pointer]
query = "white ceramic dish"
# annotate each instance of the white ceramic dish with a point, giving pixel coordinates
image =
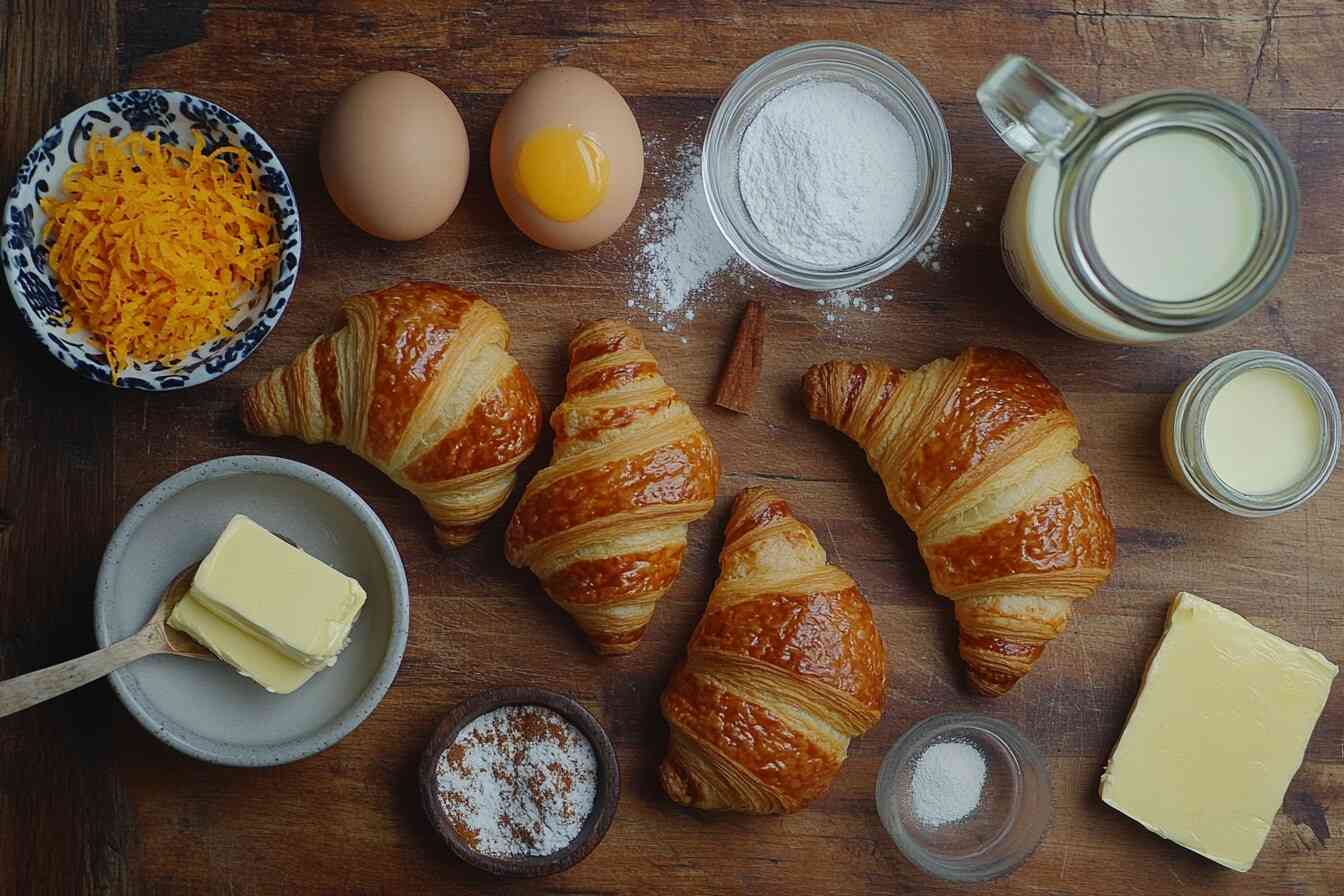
(206, 709)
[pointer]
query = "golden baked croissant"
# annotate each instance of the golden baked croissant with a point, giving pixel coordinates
(976, 454)
(604, 525)
(784, 668)
(420, 384)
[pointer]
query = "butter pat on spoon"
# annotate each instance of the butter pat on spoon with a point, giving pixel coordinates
(273, 612)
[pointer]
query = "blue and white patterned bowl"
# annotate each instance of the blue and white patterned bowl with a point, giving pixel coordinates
(173, 116)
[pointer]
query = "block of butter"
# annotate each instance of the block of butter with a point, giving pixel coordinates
(269, 609)
(251, 656)
(1219, 728)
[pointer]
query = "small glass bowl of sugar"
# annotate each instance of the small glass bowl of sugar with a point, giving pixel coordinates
(965, 797)
(827, 165)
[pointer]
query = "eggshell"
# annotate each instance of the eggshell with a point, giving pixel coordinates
(563, 96)
(394, 155)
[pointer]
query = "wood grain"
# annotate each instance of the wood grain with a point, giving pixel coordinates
(90, 802)
(57, 510)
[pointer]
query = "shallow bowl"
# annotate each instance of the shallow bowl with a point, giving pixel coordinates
(174, 116)
(206, 709)
(604, 805)
(1008, 822)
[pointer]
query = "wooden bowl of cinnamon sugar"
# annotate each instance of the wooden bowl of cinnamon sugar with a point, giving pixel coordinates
(520, 781)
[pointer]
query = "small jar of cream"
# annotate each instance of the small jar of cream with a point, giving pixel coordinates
(1255, 433)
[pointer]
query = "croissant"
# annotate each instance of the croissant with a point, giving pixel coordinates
(420, 384)
(976, 454)
(604, 525)
(784, 668)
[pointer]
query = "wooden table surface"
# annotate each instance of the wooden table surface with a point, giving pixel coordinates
(91, 802)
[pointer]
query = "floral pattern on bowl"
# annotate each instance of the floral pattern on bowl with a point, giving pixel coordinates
(173, 116)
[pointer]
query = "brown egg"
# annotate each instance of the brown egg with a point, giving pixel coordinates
(394, 155)
(567, 158)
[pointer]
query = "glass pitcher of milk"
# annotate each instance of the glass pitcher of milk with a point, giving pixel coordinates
(1159, 216)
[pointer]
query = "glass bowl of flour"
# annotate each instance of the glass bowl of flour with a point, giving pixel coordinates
(827, 165)
(965, 797)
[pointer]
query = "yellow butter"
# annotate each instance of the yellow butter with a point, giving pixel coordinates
(252, 657)
(277, 593)
(1219, 728)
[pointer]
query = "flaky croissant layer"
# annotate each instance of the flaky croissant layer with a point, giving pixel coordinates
(604, 524)
(976, 454)
(784, 668)
(419, 383)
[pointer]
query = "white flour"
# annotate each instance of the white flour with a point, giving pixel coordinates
(928, 254)
(519, 780)
(681, 247)
(947, 782)
(842, 300)
(827, 173)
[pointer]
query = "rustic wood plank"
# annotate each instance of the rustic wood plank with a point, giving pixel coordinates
(64, 815)
(180, 825)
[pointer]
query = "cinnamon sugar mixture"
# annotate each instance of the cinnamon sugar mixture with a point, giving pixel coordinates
(518, 781)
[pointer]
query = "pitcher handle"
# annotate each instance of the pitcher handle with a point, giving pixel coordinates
(1036, 115)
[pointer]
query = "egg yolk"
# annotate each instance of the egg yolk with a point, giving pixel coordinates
(563, 172)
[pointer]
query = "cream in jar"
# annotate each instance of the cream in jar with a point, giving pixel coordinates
(1262, 431)
(1174, 216)
(1156, 217)
(1254, 433)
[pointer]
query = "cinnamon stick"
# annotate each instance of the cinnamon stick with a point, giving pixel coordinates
(737, 384)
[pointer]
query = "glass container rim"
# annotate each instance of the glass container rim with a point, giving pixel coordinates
(1022, 753)
(1273, 173)
(900, 83)
(1191, 412)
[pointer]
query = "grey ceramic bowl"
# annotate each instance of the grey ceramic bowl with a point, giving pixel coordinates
(206, 709)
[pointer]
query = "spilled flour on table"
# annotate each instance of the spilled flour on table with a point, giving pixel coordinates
(845, 300)
(929, 256)
(681, 251)
(851, 312)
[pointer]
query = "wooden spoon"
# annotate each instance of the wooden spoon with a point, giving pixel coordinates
(156, 637)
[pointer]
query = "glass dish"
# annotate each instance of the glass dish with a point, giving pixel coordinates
(866, 70)
(1006, 826)
(1183, 434)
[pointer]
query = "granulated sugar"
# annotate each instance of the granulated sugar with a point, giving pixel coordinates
(947, 782)
(681, 248)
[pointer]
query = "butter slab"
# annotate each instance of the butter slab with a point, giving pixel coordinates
(1219, 728)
